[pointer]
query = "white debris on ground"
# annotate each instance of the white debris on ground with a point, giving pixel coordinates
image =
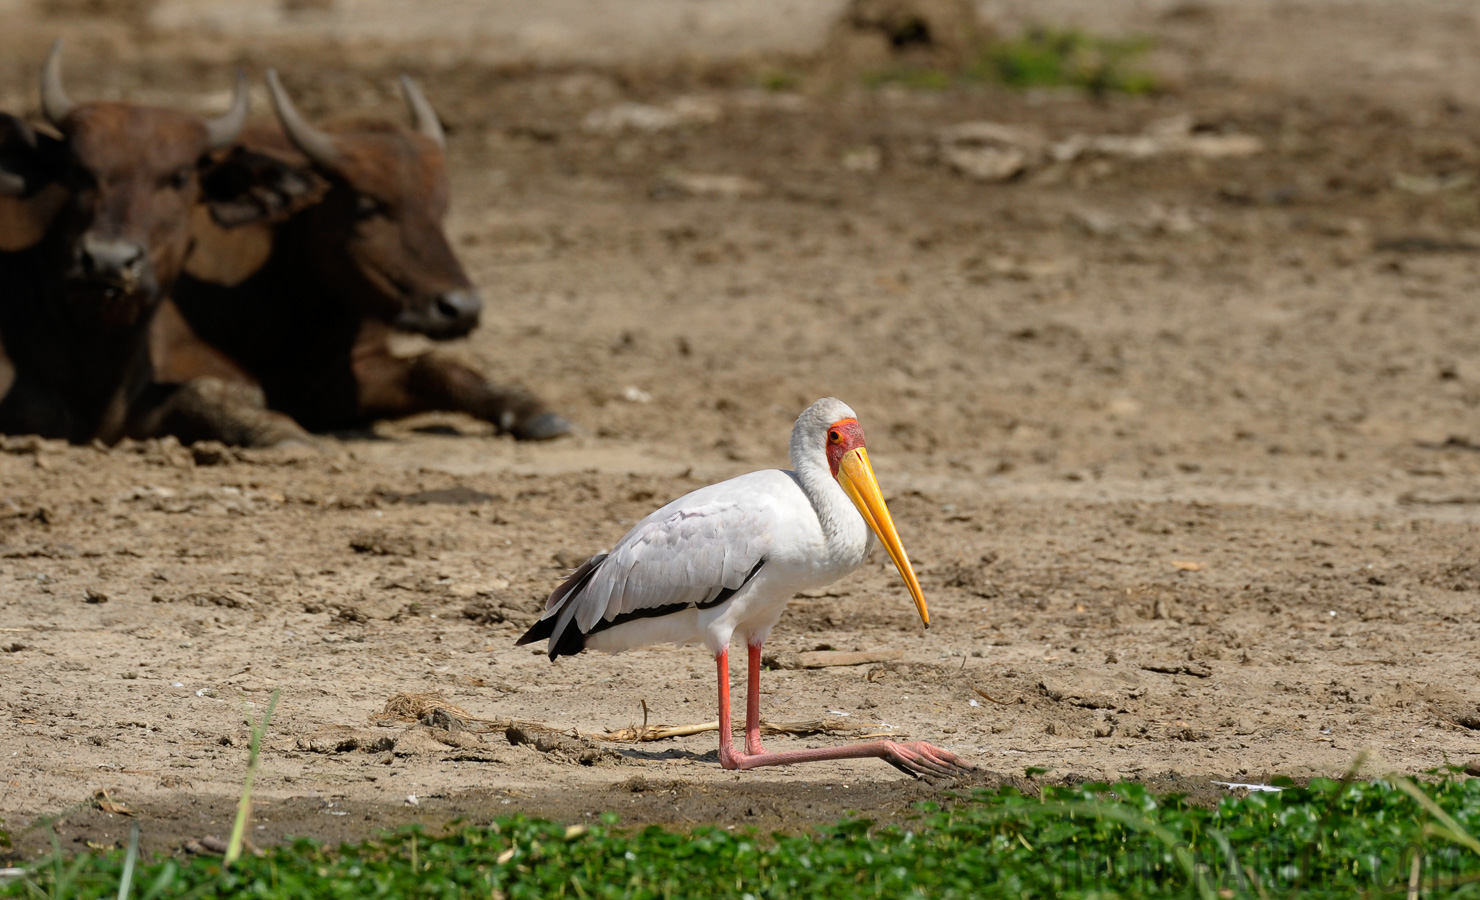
(705, 185)
(1252, 788)
(646, 117)
(993, 151)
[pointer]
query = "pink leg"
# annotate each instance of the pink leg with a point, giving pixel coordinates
(915, 758)
(728, 758)
(753, 704)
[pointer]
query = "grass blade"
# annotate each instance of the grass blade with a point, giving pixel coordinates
(1131, 820)
(1225, 847)
(126, 880)
(244, 805)
(165, 879)
(1451, 829)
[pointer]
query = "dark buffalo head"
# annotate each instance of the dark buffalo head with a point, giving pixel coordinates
(377, 231)
(120, 186)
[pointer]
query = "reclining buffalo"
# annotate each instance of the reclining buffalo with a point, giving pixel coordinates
(334, 241)
(280, 263)
(95, 227)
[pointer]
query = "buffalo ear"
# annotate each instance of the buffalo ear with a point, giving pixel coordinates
(24, 220)
(245, 194)
(226, 256)
(246, 186)
(26, 158)
(30, 195)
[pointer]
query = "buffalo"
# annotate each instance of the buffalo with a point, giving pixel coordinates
(335, 242)
(95, 227)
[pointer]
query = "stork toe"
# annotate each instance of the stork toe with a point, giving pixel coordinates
(946, 758)
(924, 760)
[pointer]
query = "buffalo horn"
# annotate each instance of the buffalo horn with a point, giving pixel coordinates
(422, 114)
(316, 145)
(223, 130)
(54, 100)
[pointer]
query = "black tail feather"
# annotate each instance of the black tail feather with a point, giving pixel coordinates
(537, 632)
(570, 641)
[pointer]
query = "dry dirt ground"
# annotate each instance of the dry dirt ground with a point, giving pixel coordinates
(1183, 442)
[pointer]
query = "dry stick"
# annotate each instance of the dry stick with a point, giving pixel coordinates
(993, 699)
(823, 726)
(815, 726)
(645, 733)
(414, 707)
(822, 659)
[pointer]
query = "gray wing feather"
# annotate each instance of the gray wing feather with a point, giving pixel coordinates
(686, 552)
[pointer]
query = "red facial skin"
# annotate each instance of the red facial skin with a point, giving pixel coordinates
(842, 436)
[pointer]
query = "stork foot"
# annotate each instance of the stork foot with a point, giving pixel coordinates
(916, 758)
(923, 760)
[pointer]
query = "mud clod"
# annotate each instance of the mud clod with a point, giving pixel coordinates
(560, 746)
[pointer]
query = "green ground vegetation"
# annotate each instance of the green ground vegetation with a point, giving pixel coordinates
(1040, 58)
(1325, 839)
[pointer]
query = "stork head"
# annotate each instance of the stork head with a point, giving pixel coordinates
(847, 458)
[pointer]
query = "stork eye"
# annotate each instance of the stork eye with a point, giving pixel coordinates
(835, 437)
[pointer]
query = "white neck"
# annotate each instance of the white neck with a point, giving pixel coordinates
(840, 519)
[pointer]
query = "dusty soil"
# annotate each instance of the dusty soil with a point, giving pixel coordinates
(1184, 444)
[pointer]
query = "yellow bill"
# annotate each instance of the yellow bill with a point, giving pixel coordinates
(858, 481)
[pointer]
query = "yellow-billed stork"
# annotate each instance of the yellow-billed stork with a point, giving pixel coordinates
(725, 560)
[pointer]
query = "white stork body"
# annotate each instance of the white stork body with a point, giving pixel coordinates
(712, 540)
(725, 560)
